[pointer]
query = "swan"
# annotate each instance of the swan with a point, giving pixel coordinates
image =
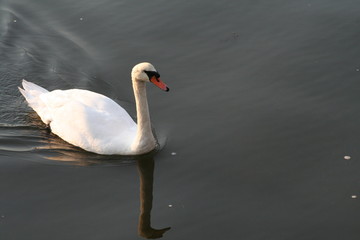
(95, 122)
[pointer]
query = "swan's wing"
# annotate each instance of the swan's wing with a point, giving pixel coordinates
(89, 120)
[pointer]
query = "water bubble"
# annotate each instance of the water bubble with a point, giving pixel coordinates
(173, 153)
(15, 20)
(170, 205)
(354, 196)
(81, 19)
(347, 157)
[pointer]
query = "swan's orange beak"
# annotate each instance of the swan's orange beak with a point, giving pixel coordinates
(160, 84)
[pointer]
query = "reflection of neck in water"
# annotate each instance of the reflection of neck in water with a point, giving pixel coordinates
(146, 172)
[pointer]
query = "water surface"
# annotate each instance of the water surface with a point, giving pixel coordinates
(262, 109)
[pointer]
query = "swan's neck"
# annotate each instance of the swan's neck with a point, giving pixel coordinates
(144, 140)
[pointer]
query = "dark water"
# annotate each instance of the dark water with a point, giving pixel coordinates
(263, 108)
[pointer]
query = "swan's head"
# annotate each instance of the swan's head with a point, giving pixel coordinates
(146, 72)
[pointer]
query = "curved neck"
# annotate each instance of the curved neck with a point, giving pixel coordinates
(144, 140)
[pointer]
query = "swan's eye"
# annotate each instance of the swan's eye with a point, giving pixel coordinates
(151, 74)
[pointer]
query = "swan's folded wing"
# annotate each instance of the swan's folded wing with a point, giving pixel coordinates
(88, 120)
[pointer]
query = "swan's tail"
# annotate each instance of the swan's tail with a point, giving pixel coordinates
(31, 90)
(32, 93)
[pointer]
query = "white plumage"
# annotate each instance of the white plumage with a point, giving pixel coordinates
(93, 121)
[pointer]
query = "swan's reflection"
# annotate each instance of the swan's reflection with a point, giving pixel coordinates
(145, 166)
(146, 174)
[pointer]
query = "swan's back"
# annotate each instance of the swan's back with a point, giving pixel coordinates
(83, 118)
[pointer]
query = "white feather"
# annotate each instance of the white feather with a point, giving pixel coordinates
(93, 121)
(86, 119)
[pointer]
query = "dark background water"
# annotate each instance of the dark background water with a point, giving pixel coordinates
(263, 108)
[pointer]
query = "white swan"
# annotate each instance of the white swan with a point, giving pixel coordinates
(93, 121)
